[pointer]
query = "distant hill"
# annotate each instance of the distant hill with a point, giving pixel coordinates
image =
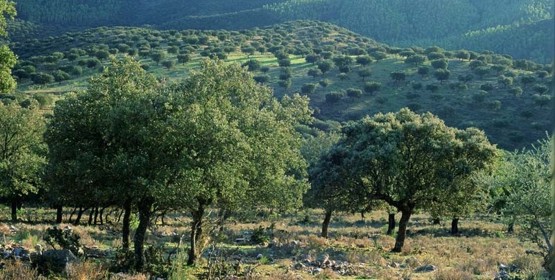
(520, 28)
(345, 75)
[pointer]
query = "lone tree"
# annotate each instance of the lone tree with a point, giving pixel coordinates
(410, 160)
(22, 153)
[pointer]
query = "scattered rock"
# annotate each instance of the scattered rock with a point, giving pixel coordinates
(426, 268)
(52, 260)
(259, 256)
(394, 265)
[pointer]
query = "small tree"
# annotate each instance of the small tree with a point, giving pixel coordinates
(442, 75)
(354, 92)
(415, 59)
(423, 70)
(334, 97)
(325, 66)
(22, 153)
(398, 76)
(522, 184)
(314, 73)
(168, 64)
(312, 58)
(439, 64)
(308, 88)
(364, 60)
(462, 55)
(364, 73)
(286, 62)
(158, 56)
(183, 58)
(371, 87)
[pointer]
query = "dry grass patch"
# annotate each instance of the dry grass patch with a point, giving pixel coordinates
(86, 271)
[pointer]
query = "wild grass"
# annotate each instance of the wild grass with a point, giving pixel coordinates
(475, 254)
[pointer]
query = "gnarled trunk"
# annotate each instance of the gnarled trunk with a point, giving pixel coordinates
(196, 234)
(402, 232)
(126, 221)
(455, 226)
(145, 212)
(326, 223)
(391, 223)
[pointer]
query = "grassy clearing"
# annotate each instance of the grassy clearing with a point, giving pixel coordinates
(361, 245)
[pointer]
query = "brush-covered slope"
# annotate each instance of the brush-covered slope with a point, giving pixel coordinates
(521, 28)
(345, 75)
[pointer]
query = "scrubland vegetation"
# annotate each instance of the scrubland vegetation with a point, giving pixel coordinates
(300, 150)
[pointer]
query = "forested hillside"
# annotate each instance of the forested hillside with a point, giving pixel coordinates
(520, 28)
(345, 75)
(483, 25)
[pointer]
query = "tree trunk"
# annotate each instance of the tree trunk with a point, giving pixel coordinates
(511, 227)
(455, 226)
(95, 219)
(401, 234)
(91, 214)
(70, 220)
(100, 214)
(79, 215)
(391, 223)
(14, 209)
(326, 223)
(145, 211)
(196, 235)
(59, 214)
(126, 221)
(436, 221)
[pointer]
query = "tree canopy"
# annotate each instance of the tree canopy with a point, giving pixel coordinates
(7, 57)
(410, 160)
(218, 138)
(22, 152)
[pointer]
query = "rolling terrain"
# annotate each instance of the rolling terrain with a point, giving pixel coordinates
(521, 28)
(345, 75)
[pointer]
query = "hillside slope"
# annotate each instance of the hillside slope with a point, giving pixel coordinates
(520, 28)
(345, 75)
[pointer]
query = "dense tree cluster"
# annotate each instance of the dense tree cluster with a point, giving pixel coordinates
(215, 140)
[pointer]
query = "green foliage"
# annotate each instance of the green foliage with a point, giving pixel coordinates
(308, 88)
(64, 238)
(521, 28)
(334, 97)
(521, 186)
(413, 161)
(7, 62)
(22, 152)
(371, 87)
